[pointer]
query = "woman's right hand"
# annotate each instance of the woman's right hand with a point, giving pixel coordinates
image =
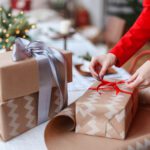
(100, 64)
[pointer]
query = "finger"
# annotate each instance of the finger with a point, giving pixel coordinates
(144, 84)
(135, 83)
(92, 68)
(98, 68)
(103, 70)
(93, 72)
(142, 87)
(133, 77)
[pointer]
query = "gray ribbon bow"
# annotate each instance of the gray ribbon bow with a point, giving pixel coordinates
(52, 73)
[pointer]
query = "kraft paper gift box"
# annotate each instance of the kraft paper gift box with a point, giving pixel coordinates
(108, 114)
(19, 91)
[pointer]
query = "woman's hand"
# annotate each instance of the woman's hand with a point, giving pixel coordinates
(141, 78)
(100, 64)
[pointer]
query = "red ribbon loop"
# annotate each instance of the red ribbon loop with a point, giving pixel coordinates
(108, 85)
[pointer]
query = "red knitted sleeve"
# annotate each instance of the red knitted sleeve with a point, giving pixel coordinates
(134, 39)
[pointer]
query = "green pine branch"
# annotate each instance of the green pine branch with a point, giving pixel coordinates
(12, 26)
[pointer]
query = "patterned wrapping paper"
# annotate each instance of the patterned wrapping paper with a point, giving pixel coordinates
(24, 75)
(106, 114)
(19, 94)
(20, 114)
(60, 134)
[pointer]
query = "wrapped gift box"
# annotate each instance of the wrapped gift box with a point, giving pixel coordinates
(108, 114)
(19, 86)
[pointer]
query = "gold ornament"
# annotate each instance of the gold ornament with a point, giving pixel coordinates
(7, 40)
(17, 31)
(9, 14)
(4, 31)
(0, 39)
(3, 46)
(11, 47)
(33, 26)
(15, 19)
(7, 35)
(26, 30)
(21, 12)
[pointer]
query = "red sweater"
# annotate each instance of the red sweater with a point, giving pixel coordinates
(135, 38)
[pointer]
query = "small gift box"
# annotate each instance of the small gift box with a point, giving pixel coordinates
(106, 109)
(33, 86)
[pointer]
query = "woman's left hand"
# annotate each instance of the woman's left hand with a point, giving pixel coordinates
(141, 78)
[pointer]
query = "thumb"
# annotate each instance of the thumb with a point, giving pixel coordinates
(103, 70)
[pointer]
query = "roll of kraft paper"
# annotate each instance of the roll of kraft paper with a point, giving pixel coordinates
(86, 116)
(60, 135)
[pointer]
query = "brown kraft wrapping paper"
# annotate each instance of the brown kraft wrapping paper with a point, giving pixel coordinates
(60, 134)
(21, 78)
(105, 114)
(20, 114)
(19, 85)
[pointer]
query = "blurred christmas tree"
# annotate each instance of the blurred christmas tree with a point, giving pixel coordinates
(136, 6)
(12, 26)
(125, 9)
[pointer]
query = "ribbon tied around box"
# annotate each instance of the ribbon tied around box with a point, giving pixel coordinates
(52, 73)
(109, 86)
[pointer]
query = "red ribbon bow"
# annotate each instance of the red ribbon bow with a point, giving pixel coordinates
(108, 85)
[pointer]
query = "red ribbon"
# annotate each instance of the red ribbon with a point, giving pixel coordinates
(108, 85)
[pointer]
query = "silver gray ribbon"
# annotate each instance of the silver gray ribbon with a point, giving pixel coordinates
(52, 73)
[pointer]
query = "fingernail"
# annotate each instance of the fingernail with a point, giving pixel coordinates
(101, 77)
